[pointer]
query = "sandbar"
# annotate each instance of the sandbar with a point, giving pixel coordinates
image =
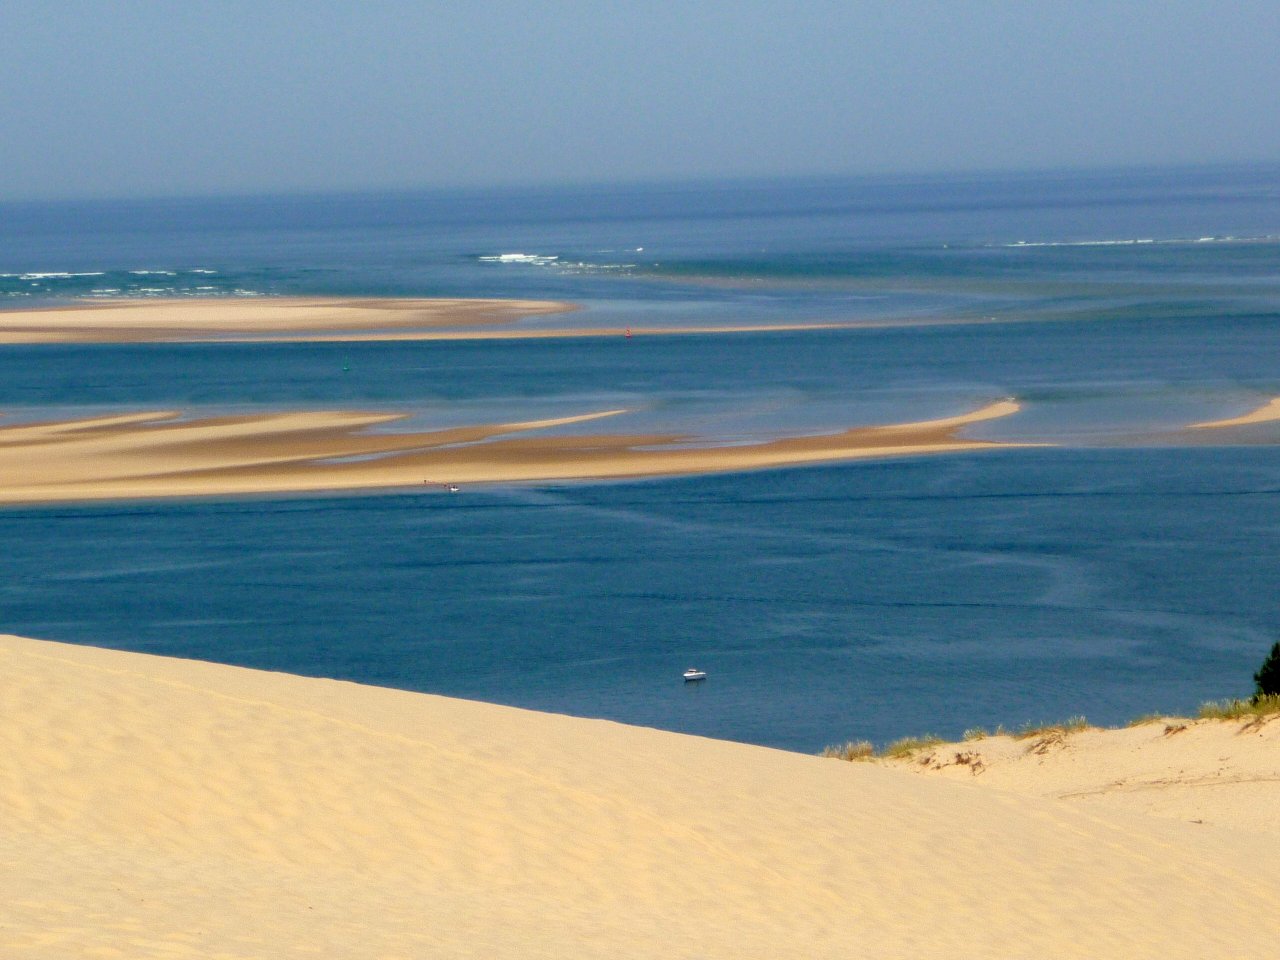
(1266, 413)
(148, 454)
(161, 808)
(322, 319)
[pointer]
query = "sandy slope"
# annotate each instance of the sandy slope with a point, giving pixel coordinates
(158, 454)
(164, 808)
(1199, 771)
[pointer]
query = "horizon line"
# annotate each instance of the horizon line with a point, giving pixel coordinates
(632, 183)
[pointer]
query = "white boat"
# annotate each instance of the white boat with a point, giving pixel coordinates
(693, 674)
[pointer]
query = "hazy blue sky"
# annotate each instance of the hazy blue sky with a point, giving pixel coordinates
(142, 98)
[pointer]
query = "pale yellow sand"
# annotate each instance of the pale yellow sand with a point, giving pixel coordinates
(272, 319)
(1223, 772)
(160, 455)
(1267, 412)
(154, 808)
(259, 318)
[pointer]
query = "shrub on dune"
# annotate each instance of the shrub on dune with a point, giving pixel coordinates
(1268, 676)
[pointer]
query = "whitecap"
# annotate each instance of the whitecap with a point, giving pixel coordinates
(583, 266)
(1142, 241)
(57, 275)
(534, 258)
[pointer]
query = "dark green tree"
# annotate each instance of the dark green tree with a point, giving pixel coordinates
(1268, 676)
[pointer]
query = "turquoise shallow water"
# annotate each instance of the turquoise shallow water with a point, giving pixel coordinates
(1122, 572)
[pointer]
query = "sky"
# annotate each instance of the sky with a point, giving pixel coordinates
(130, 99)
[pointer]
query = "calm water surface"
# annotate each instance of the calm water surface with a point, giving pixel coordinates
(1121, 572)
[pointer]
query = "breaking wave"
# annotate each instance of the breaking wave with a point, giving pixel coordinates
(123, 284)
(559, 263)
(533, 258)
(1141, 241)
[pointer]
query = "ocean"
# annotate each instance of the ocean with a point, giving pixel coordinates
(1127, 568)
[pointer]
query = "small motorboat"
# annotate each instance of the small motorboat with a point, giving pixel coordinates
(451, 487)
(693, 675)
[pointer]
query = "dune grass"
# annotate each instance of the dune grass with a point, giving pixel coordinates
(909, 745)
(1071, 725)
(1229, 709)
(1264, 703)
(1259, 706)
(853, 750)
(865, 750)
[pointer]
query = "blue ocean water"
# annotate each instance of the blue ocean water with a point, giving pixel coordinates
(1121, 571)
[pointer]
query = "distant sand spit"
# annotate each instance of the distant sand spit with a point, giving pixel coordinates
(157, 808)
(318, 319)
(159, 454)
(1266, 413)
(259, 318)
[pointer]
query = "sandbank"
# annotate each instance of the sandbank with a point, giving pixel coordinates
(162, 454)
(259, 318)
(152, 807)
(1266, 413)
(319, 319)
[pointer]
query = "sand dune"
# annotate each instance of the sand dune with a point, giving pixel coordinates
(159, 454)
(161, 808)
(1222, 772)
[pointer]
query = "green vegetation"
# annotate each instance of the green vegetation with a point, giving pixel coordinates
(1268, 676)
(1259, 705)
(1265, 702)
(853, 750)
(1072, 725)
(909, 745)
